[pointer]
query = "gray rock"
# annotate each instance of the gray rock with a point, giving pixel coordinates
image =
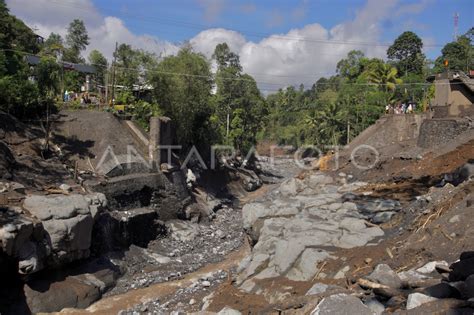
(251, 212)
(79, 290)
(469, 287)
(417, 299)
(383, 274)
(341, 304)
(342, 273)
(56, 207)
(430, 267)
(286, 254)
(4, 187)
(412, 276)
(257, 263)
(291, 187)
(383, 217)
(316, 180)
(318, 288)
(306, 266)
(375, 306)
(64, 234)
(65, 187)
(454, 219)
(228, 311)
(182, 231)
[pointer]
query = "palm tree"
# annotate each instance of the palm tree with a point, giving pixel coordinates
(328, 122)
(385, 76)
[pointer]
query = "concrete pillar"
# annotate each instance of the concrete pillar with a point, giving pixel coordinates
(153, 152)
(160, 135)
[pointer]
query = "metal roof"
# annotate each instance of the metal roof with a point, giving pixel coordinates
(35, 60)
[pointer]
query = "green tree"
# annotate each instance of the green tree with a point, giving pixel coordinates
(407, 53)
(182, 86)
(326, 125)
(99, 62)
(238, 102)
(352, 66)
(77, 40)
(132, 65)
(18, 95)
(384, 75)
(48, 74)
(459, 54)
(53, 45)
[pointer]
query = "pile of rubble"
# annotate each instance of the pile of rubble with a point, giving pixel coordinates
(433, 288)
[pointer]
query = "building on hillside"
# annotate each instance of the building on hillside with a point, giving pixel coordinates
(34, 60)
(454, 94)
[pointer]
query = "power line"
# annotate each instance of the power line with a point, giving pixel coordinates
(244, 32)
(244, 79)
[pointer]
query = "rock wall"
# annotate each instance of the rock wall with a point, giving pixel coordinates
(391, 129)
(51, 230)
(435, 132)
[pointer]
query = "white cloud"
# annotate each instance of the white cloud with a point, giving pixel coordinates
(301, 55)
(206, 41)
(47, 16)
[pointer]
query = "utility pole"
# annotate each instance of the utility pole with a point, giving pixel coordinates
(113, 74)
(348, 132)
(107, 88)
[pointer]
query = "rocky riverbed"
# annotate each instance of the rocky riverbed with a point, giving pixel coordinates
(297, 225)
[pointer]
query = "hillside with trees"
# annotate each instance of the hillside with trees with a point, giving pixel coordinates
(227, 106)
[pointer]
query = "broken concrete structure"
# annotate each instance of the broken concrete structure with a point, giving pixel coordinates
(454, 94)
(161, 134)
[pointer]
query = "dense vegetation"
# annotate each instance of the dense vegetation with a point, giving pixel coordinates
(224, 107)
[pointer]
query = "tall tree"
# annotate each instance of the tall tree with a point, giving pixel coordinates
(77, 40)
(352, 66)
(99, 62)
(238, 101)
(407, 53)
(385, 76)
(18, 95)
(225, 57)
(182, 86)
(459, 54)
(53, 45)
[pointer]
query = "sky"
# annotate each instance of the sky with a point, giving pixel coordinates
(280, 43)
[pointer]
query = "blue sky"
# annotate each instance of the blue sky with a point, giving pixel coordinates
(280, 43)
(182, 19)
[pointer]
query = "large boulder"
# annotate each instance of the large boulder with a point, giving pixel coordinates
(342, 304)
(383, 274)
(78, 288)
(65, 229)
(19, 239)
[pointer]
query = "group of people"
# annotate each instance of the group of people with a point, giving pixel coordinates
(400, 108)
(84, 98)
